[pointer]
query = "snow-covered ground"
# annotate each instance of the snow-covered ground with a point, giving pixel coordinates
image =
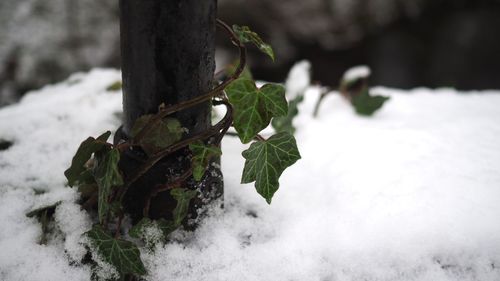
(410, 194)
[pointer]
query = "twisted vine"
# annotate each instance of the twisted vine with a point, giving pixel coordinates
(248, 109)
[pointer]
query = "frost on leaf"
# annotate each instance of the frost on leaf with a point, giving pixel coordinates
(183, 197)
(78, 172)
(202, 153)
(245, 35)
(266, 161)
(253, 107)
(160, 135)
(121, 254)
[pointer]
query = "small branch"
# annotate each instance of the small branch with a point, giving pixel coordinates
(118, 226)
(164, 187)
(216, 129)
(324, 93)
(260, 138)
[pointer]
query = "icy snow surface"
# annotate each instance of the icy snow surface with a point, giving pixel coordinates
(357, 72)
(410, 194)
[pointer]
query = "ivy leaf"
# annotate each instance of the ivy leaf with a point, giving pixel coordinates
(116, 86)
(162, 134)
(253, 107)
(183, 197)
(166, 227)
(202, 154)
(367, 105)
(107, 175)
(285, 123)
(138, 229)
(41, 210)
(76, 173)
(123, 255)
(245, 35)
(266, 161)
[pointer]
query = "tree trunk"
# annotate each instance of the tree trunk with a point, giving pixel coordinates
(167, 57)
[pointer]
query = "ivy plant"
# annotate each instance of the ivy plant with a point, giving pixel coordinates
(356, 90)
(95, 168)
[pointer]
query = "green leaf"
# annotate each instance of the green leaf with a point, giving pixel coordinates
(107, 175)
(160, 136)
(266, 161)
(367, 105)
(37, 212)
(138, 229)
(285, 124)
(202, 153)
(123, 255)
(247, 36)
(117, 86)
(183, 197)
(166, 227)
(254, 108)
(76, 173)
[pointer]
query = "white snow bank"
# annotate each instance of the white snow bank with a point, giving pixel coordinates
(410, 194)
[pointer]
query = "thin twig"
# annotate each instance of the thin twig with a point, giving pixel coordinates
(164, 187)
(214, 130)
(118, 226)
(259, 138)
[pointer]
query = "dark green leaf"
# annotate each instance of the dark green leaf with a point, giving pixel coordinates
(202, 154)
(117, 86)
(39, 211)
(367, 105)
(254, 108)
(87, 190)
(166, 227)
(107, 175)
(76, 173)
(44, 215)
(183, 197)
(247, 36)
(137, 230)
(266, 161)
(123, 255)
(285, 124)
(160, 136)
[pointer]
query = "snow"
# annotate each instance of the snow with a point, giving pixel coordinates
(298, 79)
(409, 194)
(357, 72)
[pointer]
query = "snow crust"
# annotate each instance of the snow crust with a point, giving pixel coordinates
(298, 80)
(409, 194)
(357, 72)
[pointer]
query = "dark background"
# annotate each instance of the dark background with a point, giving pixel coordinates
(407, 43)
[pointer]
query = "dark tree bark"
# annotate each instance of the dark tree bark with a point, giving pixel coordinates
(167, 57)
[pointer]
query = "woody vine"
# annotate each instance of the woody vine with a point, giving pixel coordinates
(249, 109)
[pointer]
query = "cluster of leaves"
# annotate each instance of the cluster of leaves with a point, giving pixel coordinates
(95, 167)
(357, 92)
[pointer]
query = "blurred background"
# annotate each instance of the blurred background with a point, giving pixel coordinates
(407, 43)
